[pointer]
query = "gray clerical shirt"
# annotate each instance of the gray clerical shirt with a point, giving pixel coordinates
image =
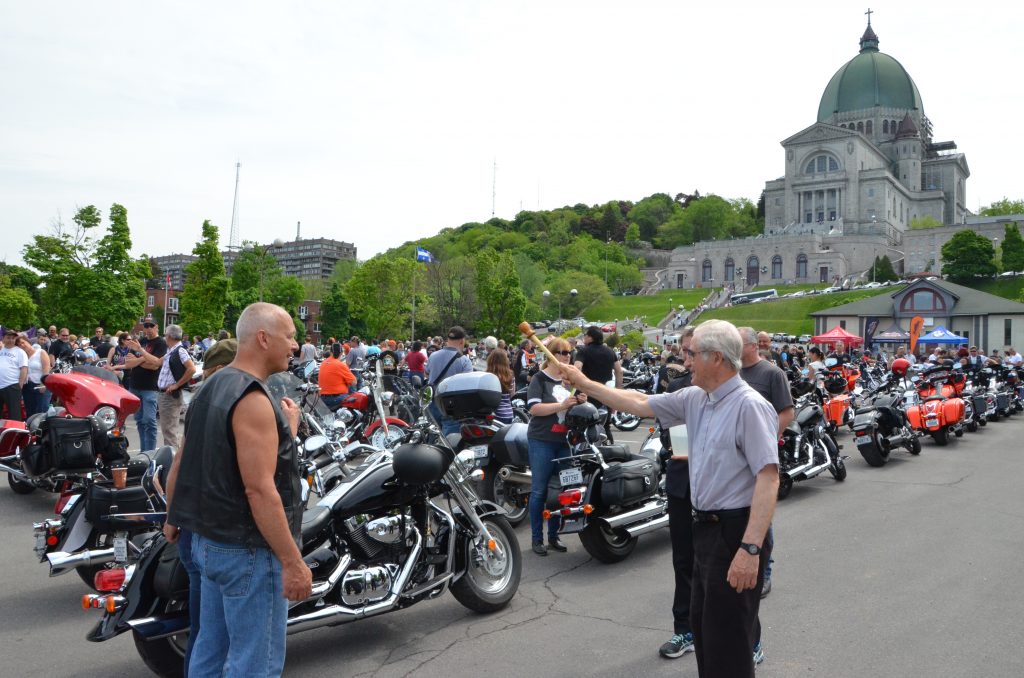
(732, 434)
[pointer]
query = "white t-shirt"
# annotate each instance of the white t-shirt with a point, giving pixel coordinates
(11, 361)
(1014, 359)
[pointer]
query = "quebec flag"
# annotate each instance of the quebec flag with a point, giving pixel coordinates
(423, 255)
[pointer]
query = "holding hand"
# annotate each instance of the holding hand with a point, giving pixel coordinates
(291, 413)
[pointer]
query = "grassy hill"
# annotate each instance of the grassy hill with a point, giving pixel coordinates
(1009, 288)
(650, 308)
(792, 316)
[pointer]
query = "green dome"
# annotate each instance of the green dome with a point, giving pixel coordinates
(869, 79)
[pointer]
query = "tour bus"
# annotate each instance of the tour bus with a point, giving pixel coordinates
(747, 297)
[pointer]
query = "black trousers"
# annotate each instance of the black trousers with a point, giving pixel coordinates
(11, 397)
(725, 623)
(680, 528)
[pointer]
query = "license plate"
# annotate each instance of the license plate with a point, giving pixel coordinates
(570, 476)
(479, 451)
(931, 422)
(121, 549)
(862, 440)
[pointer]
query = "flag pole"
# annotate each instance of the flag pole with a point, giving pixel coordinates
(413, 337)
(167, 302)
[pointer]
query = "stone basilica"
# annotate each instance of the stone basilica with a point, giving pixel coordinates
(854, 181)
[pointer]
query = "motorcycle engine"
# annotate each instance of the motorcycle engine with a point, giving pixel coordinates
(378, 544)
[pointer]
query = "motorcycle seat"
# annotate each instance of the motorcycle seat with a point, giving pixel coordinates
(934, 397)
(314, 520)
(614, 452)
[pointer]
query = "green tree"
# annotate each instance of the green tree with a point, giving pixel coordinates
(633, 234)
(16, 306)
(1012, 249)
(22, 278)
(205, 296)
(502, 302)
(452, 284)
(122, 277)
(1003, 207)
(968, 255)
(590, 290)
(336, 320)
(652, 212)
(882, 270)
(379, 293)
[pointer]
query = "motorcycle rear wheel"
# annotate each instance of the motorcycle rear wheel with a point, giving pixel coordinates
(941, 437)
(625, 422)
(20, 486)
(606, 544)
(493, 488)
(488, 587)
(873, 454)
(785, 486)
(165, 656)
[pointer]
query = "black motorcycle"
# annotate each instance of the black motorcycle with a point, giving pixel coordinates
(807, 448)
(405, 527)
(880, 424)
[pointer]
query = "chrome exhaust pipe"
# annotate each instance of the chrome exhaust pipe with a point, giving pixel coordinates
(321, 589)
(62, 563)
(341, 614)
(515, 477)
(649, 510)
(649, 526)
(811, 472)
(16, 472)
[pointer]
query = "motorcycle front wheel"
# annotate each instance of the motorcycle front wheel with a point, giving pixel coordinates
(489, 582)
(165, 656)
(625, 422)
(838, 467)
(606, 544)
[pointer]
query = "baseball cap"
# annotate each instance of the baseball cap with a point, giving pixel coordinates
(456, 332)
(220, 354)
(149, 323)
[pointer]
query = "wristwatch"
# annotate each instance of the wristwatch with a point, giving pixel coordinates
(752, 549)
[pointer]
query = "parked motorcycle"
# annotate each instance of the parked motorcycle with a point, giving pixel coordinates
(881, 424)
(806, 448)
(937, 415)
(404, 528)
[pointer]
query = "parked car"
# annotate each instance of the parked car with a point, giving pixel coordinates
(608, 328)
(804, 339)
(873, 285)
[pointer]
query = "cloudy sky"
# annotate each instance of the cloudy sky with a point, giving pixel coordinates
(380, 122)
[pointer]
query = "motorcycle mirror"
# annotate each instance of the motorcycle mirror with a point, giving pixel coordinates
(307, 371)
(427, 395)
(314, 443)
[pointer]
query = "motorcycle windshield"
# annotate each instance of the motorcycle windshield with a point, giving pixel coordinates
(286, 385)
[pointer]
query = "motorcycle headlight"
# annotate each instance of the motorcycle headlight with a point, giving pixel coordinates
(467, 460)
(107, 416)
(386, 398)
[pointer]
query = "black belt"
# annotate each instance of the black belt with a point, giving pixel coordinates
(719, 516)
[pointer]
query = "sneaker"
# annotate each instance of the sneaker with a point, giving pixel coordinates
(766, 587)
(540, 549)
(680, 644)
(758, 653)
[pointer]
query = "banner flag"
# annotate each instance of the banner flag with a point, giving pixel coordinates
(423, 255)
(916, 325)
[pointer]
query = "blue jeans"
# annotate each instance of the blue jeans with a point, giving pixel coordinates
(333, 402)
(243, 612)
(194, 590)
(35, 401)
(542, 467)
(447, 424)
(145, 419)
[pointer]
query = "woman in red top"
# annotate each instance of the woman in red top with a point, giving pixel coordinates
(415, 360)
(335, 378)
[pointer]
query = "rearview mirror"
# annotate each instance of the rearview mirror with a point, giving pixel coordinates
(427, 395)
(308, 370)
(314, 443)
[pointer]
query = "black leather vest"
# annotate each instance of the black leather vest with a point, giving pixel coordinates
(209, 497)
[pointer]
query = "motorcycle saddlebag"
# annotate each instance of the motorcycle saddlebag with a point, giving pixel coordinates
(510, 446)
(628, 482)
(36, 460)
(100, 499)
(953, 410)
(914, 417)
(170, 581)
(71, 443)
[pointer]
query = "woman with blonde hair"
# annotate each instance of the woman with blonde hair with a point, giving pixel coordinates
(548, 399)
(497, 364)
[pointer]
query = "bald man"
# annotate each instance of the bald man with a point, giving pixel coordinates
(238, 499)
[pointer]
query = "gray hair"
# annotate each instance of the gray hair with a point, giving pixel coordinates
(173, 331)
(721, 336)
(748, 334)
(687, 332)
(256, 317)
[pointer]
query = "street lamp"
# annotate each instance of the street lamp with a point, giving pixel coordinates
(609, 242)
(573, 293)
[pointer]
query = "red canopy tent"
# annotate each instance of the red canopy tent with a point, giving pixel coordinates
(837, 334)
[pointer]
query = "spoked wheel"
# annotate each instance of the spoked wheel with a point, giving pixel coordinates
(20, 486)
(492, 570)
(506, 495)
(605, 543)
(165, 656)
(785, 486)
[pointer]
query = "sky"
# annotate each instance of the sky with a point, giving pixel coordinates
(378, 123)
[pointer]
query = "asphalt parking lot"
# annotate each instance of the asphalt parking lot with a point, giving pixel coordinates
(908, 570)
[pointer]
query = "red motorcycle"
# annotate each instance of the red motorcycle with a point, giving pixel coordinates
(940, 410)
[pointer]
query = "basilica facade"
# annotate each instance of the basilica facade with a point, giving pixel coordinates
(854, 182)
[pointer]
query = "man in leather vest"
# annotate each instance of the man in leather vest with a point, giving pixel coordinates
(235, 487)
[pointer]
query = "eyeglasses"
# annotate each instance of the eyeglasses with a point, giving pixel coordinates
(691, 354)
(562, 352)
(64, 336)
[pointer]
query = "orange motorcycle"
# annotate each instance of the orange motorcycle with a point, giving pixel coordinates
(939, 410)
(840, 383)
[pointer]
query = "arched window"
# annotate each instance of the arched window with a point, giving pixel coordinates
(822, 163)
(705, 271)
(801, 266)
(892, 126)
(860, 126)
(730, 270)
(869, 127)
(923, 301)
(885, 127)
(753, 270)
(776, 267)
